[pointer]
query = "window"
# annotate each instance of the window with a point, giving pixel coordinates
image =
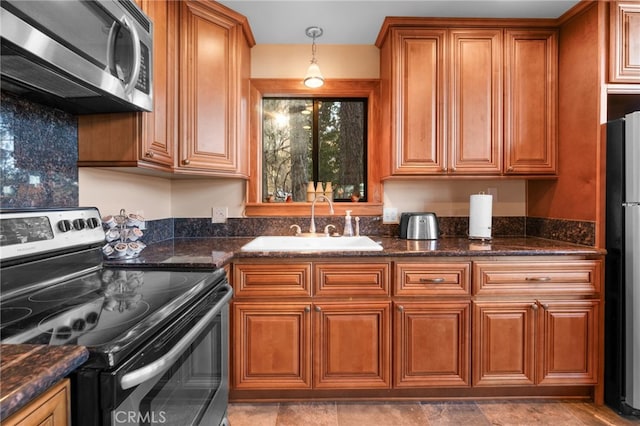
(314, 140)
(375, 144)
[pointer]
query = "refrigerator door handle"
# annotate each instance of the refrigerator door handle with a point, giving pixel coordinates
(631, 204)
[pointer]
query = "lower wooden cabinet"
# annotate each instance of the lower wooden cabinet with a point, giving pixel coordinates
(535, 342)
(272, 345)
(50, 408)
(352, 345)
(416, 328)
(432, 344)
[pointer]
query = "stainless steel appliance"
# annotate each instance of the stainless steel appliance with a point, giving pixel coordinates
(79, 56)
(157, 338)
(622, 271)
(419, 226)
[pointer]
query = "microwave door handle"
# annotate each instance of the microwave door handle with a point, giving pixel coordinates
(159, 366)
(111, 47)
(137, 54)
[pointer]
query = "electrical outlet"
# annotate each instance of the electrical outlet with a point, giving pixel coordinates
(494, 192)
(390, 215)
(219, 214)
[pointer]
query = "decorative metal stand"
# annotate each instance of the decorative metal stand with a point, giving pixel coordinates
(123, 234)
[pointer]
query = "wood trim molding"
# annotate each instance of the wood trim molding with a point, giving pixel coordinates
(363, 88)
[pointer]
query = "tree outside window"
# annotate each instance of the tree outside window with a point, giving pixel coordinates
(314, 140)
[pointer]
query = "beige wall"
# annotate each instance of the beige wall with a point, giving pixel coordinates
(160, 198)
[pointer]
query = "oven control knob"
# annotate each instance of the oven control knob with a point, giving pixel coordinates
(65, 225)
(79, 324)
(93, 222)
(63, 332)
(92, 318)
(79, 224)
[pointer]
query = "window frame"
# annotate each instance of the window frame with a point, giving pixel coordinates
(334, 88)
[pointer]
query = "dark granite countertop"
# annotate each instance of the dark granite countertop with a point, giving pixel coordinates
(218, 251)
(28, 370)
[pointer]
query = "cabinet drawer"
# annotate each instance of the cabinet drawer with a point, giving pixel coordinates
(549, 277)
(286, 279)
(361, 279)
(432, 279)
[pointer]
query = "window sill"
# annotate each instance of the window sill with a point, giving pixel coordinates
(304, 209)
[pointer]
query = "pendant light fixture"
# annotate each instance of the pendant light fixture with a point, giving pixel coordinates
(313, 79)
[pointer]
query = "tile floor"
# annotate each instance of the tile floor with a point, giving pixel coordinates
(489, 412)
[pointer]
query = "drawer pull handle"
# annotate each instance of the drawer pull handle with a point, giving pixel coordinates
(538, 279)
(432, 280)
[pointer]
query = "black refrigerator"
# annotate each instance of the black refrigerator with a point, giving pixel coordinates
(622, 268)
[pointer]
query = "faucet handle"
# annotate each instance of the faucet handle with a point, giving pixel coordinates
(297, 228)
(327, 230)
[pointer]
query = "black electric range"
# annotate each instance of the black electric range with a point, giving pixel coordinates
(55, 290)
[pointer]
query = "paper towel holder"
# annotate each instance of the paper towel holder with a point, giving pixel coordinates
(480, 217)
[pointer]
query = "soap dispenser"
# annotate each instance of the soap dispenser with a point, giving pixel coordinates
(348, 228)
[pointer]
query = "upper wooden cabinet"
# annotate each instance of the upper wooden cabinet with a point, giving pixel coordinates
(199, 123)
(214, 90)
(531, 101)
(624, 42)
(445, 86)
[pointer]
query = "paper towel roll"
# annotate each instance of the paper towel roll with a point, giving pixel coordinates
(480, 211)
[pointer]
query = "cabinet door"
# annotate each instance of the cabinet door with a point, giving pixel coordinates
(569, 342)
(50, 408)
(159, 136)
(531, 67)
(624, 42)
(208, 95)
(504, 343)
(475, 139)
(352, 345)
(272, 344)
(432, 344)
(418, 129)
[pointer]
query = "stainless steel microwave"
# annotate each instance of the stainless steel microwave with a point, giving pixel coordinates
(79, 56)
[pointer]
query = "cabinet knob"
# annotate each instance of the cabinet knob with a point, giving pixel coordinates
(317, 308)
(307, 309)
(534, 306)
(545, 306)
(510, 168)
(186, 161)
(149, 154)
(400, 308)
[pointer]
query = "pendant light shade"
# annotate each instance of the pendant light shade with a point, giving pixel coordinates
(313, 79)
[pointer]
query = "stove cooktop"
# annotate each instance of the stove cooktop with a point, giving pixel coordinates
(110, 311)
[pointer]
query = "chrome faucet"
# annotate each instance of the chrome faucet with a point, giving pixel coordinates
(312, 228)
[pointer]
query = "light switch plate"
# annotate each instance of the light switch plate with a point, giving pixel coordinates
(390, 215)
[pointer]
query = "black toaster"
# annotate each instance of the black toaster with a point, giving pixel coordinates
(419, 226)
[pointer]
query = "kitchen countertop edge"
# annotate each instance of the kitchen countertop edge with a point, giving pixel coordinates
(46, 366)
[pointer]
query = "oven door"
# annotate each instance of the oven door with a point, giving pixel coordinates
(180, 377)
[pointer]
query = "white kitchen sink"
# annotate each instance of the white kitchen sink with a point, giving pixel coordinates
(306, 244)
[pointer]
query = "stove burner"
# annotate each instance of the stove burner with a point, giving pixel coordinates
(11, 315)
(65, 291)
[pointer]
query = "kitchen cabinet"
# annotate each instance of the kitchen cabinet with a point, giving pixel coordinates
(199, 124)
(531, 102)
(432, 341)
(275, 315)
(624, 42)
(445, 84)
(538, 325)
(50, 408)
(214, 90)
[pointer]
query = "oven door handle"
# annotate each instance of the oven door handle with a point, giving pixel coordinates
(159, 366)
